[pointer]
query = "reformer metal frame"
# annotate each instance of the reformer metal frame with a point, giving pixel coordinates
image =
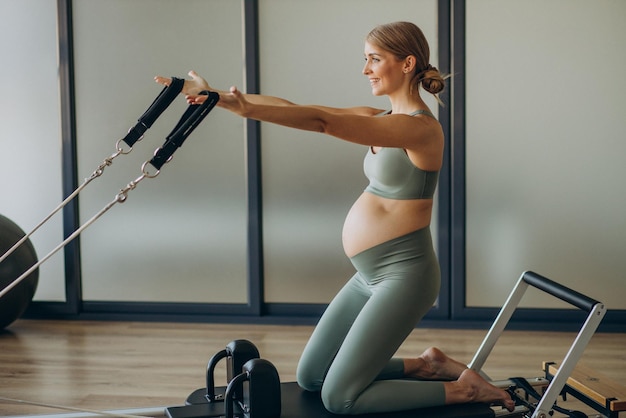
(596, 311)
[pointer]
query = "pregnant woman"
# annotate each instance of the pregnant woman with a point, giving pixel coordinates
(386, 235)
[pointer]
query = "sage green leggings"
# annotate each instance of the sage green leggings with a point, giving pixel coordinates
(349, 357)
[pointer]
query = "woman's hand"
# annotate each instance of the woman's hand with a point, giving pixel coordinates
(234, 101)
(191, 88)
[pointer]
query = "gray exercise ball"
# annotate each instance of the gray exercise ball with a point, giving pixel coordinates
(15, 302)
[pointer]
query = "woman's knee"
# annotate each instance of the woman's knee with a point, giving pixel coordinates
(308, 378)
(335, 399)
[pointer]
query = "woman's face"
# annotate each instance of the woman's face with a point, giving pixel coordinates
(383, 69)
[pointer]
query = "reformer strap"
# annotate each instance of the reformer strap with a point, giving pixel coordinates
(185, 126)
(163, 100)
(190, 120)
(158, 106)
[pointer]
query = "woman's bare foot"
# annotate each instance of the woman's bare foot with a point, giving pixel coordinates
(471, 387)
(433, 364)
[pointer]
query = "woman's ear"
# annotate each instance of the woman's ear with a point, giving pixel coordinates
(409, 64)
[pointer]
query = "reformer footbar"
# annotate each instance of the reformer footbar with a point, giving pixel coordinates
(531, 401)
(192, 117)
(595, 312)
(134, 135)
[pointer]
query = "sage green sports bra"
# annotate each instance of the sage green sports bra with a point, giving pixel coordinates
(393, 175)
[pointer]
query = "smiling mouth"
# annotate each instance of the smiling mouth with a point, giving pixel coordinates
(374, 80)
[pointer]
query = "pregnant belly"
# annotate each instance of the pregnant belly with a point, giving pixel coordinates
(373, 220)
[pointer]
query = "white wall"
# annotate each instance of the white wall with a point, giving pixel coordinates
(544, 144)
(180, 237)
(545, 147)
(30, 131)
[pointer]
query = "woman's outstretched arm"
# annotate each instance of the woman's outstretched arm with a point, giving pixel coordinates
(192, 87)
(361, 127)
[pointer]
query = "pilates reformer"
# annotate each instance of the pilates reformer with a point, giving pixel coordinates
(190, 119)
(254, 389)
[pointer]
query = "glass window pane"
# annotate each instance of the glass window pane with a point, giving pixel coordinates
(180, 237)
(309, 180)
(30, 132)
(545, 148)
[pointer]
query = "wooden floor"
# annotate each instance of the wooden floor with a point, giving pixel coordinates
(127, 365)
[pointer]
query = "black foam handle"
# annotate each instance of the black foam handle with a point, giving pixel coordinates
(558, 290)
(263, 398)
(229, 401)
(158, 106)
(185, 126)
(210, 374)
(163, 100)
(134, 134)
(239, 353)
